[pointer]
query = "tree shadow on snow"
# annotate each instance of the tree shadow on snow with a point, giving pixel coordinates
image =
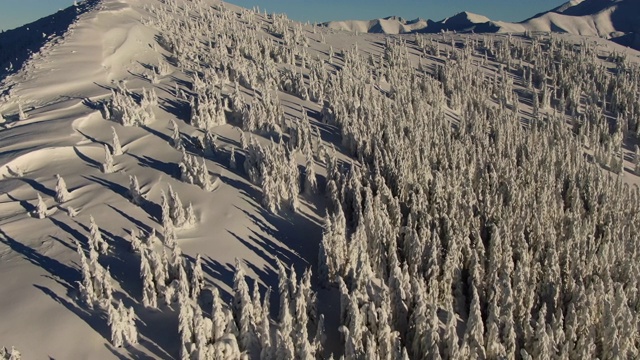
(94, 318)
(61, 273)
(39, 187)
(152, 209)
(139, 225)
(177, 108)
(86, 159)
(28, 207)
(74, 233)
(169, 169)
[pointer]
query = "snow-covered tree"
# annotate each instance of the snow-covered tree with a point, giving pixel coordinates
(115, 143)
(21, 114)
(41, 210)
(62, 194)
(243, 309)
(176, 137)
(134, 240)
(310, 181)
(96, 241)
(149, 293)
(107, 166)
(122, 324)
(134, 190)
(191, 218)
(13, 354)
(197, 278)
(232, 158)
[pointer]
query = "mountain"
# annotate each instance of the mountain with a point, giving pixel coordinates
(464, 21)
(388, 25)
(617, 20)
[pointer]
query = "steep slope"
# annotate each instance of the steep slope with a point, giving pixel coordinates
(18, 44)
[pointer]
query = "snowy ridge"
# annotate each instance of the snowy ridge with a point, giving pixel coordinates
(396, 25)
(189, 179)
(615, 20)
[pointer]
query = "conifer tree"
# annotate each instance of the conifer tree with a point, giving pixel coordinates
(232, 158)
(41, 210)
(197, 278)
(21, 114)
(134, 239)
(243, 309)
(218, 317)
(107, 166)
(177, 213)
(62, 194)
(473, 336)
(149, 294)
(115, 324)
(191, 218)
(115, 143)
(134, 190)
(96, 241)
(176, 138)
(310, 184)
(86, 287)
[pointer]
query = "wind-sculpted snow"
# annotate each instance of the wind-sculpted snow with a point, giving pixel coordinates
(189, 179)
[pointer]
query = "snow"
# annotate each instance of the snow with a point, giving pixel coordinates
(61, 87)
(64, 136)
(616, 20)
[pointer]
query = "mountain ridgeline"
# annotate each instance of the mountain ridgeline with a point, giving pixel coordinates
(616, 20)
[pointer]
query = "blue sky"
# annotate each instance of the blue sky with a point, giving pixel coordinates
(14, 13)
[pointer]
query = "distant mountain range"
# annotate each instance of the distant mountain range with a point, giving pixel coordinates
(617, 20)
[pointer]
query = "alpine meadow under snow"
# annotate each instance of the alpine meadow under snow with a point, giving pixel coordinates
(187, 179)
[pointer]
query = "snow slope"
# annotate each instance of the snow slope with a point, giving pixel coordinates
(62, 135)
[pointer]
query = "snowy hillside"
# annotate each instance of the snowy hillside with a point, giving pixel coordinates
(189, 179)
(618, 20)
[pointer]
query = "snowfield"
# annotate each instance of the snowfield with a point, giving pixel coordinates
(190, 179)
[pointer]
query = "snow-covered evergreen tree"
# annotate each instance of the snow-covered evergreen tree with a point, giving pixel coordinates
(41, 210)
(62, 194)
(107, 166)
(13, 354)
(232, 158)
(197, 278)
(134, 190)
(115, 143)
(96, 241)
(176, 137)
